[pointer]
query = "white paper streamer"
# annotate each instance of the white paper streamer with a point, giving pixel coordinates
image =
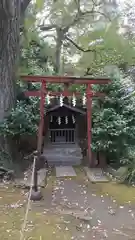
(48, 99)
(59, 120)
(74, 100)
(66, 119)
(61, 100)
(84, 99)
(73, 118)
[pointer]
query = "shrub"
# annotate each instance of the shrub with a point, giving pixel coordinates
(22, 120)
(129, 162)
(114, 120)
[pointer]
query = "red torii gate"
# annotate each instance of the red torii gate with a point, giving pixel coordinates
(66, 80)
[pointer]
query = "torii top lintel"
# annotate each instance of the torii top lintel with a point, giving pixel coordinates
(65, 79)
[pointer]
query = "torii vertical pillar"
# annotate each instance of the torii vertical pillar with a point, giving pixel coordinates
(40, 132)
(89, 123)
(41, 123)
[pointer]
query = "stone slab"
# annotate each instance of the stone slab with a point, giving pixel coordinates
(95, 175)
(63, 154)
(65, 171)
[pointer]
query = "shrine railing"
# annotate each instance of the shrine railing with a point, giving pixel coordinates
(62, 135)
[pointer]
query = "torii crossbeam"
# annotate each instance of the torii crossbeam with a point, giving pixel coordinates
(66, 80)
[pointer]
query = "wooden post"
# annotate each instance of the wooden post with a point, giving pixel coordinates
(40, 134)
(35, 180)
(41, 123)
(89, 122)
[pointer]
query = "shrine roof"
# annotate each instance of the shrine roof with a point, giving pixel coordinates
(74, 109)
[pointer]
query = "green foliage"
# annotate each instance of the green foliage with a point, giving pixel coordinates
(36, 53)
(113, 50)
(83, 30)
(114, 120)
(39, 4)
(129, 162)
(22, 120)
(35, 57)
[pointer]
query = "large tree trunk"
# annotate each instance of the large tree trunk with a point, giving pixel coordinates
(9, 49)
(59, 42)
(10, 13)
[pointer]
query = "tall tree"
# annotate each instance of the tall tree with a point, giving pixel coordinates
(10, 18)
(68, 18)
(11, 15)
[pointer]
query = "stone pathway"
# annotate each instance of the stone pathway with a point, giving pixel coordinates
(92, 216)
(65, 171)
(106, 218)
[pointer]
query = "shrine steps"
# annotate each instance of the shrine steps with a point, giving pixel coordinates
(63, 154)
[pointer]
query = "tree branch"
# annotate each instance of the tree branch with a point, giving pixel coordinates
(48, 27)
(80, 16)
(96, 4)
(88, 72)
(78, 47)
(78, 5)
(95, 52)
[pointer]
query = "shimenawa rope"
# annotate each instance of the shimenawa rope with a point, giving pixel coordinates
(28, 203)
